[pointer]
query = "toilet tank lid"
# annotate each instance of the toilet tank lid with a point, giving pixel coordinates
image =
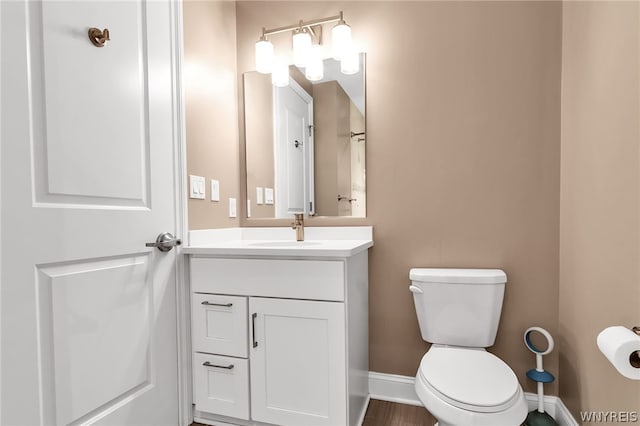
(458, 276)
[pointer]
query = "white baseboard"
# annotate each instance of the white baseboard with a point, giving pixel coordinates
(400, 389)
(393, 388)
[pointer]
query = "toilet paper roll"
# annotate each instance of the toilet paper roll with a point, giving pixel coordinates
(621, 345)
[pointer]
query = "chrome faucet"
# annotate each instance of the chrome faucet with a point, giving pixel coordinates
(298, 225)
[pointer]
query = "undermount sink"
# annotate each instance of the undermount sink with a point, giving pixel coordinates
(285, 243)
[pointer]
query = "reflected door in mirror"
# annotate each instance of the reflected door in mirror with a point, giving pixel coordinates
(293, 151)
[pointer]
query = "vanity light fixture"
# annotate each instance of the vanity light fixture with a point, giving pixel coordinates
(305, 54)
(301, 46)
(340, 39)
(264, 54)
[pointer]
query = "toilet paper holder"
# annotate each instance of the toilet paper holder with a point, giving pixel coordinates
(634, 358)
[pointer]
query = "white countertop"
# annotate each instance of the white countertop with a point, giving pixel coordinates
(320, 242)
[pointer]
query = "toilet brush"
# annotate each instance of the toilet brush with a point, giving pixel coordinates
(540, 376)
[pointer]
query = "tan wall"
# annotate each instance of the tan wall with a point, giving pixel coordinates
(211, 107)
(600, 216)
(463, 143)
(258, 94)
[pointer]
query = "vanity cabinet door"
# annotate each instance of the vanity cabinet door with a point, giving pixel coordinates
(297, 356)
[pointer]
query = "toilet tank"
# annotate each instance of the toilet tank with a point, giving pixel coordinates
(458, 307)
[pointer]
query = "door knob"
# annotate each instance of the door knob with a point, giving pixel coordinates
(165, 242)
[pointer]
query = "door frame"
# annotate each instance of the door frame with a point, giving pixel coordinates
(183, 303)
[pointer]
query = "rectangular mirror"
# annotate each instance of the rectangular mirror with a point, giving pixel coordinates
(305, 143)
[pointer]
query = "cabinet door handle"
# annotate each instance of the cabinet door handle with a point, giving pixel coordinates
(226, 367)
(226, 305)
(253, 329)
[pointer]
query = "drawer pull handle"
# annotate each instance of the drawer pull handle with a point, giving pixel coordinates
(227, 367)
(253, 329)
(226, 305)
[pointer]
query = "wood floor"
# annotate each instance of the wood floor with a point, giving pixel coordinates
(383, 413)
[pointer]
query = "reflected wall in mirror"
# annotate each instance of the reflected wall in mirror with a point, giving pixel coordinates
(306, 141)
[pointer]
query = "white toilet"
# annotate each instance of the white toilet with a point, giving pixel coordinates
(458, 381)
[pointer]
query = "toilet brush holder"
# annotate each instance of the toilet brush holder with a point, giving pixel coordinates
(539, 375)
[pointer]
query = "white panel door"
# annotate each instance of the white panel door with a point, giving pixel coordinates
(297, 357)
(87, 178)
(293, 109)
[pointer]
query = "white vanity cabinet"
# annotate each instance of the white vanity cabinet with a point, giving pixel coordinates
(280, 340)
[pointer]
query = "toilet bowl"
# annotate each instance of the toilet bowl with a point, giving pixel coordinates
(458, 381)
(469, 386)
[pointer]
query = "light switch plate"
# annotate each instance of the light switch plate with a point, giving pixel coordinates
(248, 208)
(196, 187)
(268, 195)
(232, 207)
(259, 195)
(215, 190)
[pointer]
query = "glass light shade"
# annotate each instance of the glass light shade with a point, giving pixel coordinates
(340, 40)
(280, 74)
(301, 47)
(264, 56)
(315, 68)
(350, 63)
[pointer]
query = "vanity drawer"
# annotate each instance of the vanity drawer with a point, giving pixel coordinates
(221, 385)
(286, 278)
(219, 324)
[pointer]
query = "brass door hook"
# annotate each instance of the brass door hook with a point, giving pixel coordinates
(98, 37)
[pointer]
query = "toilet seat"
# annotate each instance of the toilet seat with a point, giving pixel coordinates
(469, 378)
